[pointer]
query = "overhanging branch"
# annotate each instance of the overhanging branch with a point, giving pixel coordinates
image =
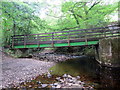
(95, 3)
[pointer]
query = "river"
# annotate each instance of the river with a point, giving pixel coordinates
(90, 71)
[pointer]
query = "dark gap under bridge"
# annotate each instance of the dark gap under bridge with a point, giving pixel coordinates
(65, 38)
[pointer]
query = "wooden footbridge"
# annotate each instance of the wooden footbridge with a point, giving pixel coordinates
(65, 38)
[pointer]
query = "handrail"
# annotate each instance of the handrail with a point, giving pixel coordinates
(69, 31)
(66, 36)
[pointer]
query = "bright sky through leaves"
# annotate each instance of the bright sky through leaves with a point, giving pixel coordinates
(57, 4)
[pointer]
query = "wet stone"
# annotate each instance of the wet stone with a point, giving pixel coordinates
(38, 82)
(53, 87)
(79, 82)
(82, 83)
(58, 86)
(55, 84)
(69, 76)
(44, 85)
(64, 76)
(78, 77)
(58, 78)
(70, 80)
(49, 75)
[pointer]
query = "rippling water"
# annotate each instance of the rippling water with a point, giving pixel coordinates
(90, 72)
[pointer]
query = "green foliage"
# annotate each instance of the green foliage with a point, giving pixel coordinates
(19, 18)
(86, 15)
(14, 53)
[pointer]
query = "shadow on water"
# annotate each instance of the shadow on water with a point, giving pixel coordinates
(90, 71)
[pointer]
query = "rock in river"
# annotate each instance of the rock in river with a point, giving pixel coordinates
(44, 85)
(65, 75)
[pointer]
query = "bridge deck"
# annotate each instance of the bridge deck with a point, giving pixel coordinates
(56, 45)
(64, 38)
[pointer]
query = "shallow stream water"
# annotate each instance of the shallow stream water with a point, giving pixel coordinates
(90, 71)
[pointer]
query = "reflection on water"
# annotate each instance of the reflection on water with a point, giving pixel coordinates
(90, 71)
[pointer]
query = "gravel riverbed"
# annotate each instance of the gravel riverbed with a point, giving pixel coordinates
(21, 70)
(15, 71)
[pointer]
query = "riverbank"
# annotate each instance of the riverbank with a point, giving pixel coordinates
(15, 71)
(51, 55)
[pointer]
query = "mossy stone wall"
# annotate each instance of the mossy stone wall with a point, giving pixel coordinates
(109, 52)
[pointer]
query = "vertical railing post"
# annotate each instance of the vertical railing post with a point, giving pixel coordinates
(105, 33)
(38, 42)
(24, 41)
(52, 39)
(68, 39)
(12, 41)
(86, 41)
(99, 36)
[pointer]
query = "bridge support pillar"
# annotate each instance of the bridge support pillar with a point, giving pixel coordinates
(108, 52)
